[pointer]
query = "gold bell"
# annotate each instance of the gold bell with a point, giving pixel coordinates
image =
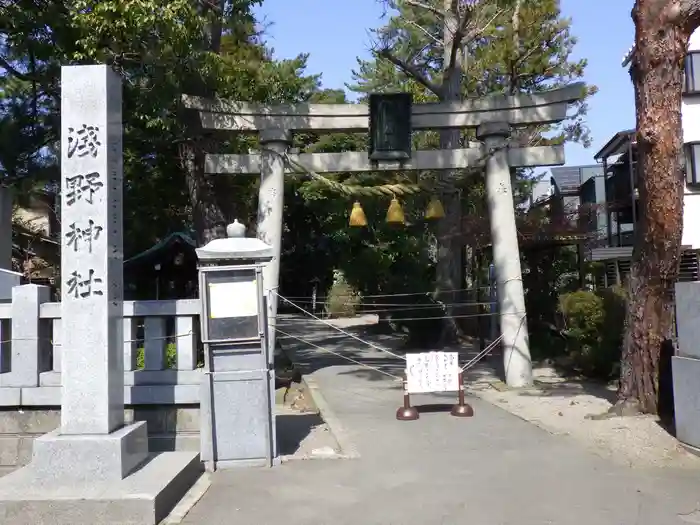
(357, 216)
(394, 214)
(435, 210)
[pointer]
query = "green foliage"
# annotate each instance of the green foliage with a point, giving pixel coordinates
(170, 356)
(342, 300)
(594, 323)
(162, 49)
(548, 273)
(534, 55)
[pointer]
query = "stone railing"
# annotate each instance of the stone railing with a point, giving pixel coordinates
(161, 345)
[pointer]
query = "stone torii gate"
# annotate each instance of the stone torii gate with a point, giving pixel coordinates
(493, 117)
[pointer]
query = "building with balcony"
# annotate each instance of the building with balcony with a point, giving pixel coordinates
(581, 193)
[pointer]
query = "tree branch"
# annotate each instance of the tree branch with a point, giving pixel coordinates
(421, 5)
(685, 12)
(527, 54)
(426, 32)
(411, 71)
(15, 72)
(515, 22)
(480, 30)
(212, 5)
(458, 35)
(462, 37)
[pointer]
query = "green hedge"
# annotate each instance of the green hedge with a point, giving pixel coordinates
(342, 301)
(170, 357)
(593, 330)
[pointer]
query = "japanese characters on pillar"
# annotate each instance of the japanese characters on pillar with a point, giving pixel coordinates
(80, 194)
(91, 250)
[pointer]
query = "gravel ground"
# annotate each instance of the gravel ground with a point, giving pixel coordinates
(561, 406)
(301, 431)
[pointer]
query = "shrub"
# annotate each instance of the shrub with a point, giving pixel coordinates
(170, 356)
(342, 300)
(593, 328)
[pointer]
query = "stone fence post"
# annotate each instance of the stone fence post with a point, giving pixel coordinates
(31, 343)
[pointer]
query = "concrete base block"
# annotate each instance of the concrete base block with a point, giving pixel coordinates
(145, 497)
(170, 428)
(686, 398)
(91, 458)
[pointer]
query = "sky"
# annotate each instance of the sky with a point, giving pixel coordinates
(336, 32)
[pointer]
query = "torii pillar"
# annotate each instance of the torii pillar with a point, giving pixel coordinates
(517, 363)
(275, 143)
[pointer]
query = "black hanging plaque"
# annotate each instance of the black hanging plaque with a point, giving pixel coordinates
(390, 126)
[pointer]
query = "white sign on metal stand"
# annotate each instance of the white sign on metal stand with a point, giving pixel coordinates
(431, 372)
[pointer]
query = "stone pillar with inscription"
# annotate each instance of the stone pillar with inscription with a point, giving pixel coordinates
(91, 251)
(93, 468)
(92, 368)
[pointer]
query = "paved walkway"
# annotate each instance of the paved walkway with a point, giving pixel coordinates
(493, 469)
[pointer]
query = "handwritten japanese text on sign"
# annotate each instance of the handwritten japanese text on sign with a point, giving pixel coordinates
(432, 372)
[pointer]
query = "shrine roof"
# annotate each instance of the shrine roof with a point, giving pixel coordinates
(169, 241)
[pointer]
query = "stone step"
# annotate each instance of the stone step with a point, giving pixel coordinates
(145, 497)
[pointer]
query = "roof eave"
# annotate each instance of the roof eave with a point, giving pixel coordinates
(616, 145)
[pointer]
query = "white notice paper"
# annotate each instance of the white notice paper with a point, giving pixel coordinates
(432, 372)
(227, 300)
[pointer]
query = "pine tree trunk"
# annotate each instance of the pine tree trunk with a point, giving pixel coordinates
(449, 256)
(661, 41)
(207, 215)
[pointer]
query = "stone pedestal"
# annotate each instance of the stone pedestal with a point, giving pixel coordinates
(91, 458)
(145, 497)
(93, 469)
